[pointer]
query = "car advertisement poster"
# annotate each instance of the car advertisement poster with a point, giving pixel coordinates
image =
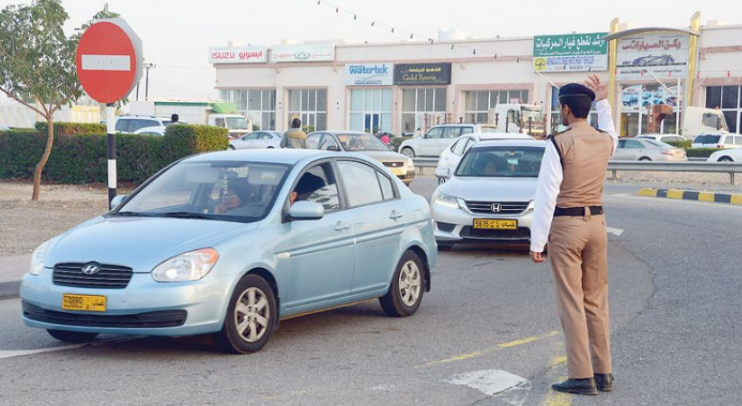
(663, 54)
(379, 74)
(641, 97)
(570, 53)
(303, 53)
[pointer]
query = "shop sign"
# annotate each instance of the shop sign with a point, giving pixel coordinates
(570, 53)
(379, 74)
(422, 74)
(663, 54)
(639, 97)
(220, 55)
(303, 53)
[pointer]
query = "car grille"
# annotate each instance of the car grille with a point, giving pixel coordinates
(393, 164)
(163, 318)
(521, 233)
(109, 276)
(505, 207)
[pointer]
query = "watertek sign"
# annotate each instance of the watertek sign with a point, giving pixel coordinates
(422, 74)
(570, 53)
(303, 53)
(238, 55)
(369, 75)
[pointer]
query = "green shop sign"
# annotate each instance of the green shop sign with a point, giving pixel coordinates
(571, 52)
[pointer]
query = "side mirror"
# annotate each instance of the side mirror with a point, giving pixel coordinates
(116, 201)
(303, 210)
(332, 148)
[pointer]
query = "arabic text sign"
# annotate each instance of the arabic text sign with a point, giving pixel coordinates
(380, 74)
(571, 52)
(422, 74)
(303, 53)
(663, 54)
(238, 55)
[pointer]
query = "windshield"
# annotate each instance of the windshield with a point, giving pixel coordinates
(707, 139)
(501, 162)
(361, 142)
(231, 190)
(237, 123)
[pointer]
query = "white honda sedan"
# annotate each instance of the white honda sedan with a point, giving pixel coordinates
(451, 156)
(489, 197)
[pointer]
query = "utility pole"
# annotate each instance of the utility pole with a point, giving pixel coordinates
(147, 67)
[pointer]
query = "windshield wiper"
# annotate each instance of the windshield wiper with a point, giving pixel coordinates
(185, 215)
(129, 214)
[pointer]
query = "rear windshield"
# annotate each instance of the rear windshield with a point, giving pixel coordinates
(707, 139)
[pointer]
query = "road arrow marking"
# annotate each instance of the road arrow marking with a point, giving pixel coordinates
(489, 382)
(614, 231)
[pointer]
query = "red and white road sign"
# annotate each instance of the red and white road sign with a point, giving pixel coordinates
(109, 60)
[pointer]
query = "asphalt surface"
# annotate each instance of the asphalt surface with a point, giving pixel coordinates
(674, 295)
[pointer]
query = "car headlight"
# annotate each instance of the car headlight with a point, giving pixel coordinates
(190, 266)
(529, 208)
(37, 259)
(446, 200)
(409, 164)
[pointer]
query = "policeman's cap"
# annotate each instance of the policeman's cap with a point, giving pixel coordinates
(575, 90)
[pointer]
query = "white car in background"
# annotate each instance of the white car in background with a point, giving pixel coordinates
(725, 140)
(451, 156)
(257, 139)
(726, 155)
(155, 130)
(646, 149)
(438, 138)
(490, 196)
(663, 137)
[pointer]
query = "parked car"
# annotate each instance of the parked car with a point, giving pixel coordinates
(367, 144)
(644, 149)
(662, 137)
(316, 230)
(438, 138)
(130, 124)
(720, 141)
(489, 198)
(726, 155)
(656, 60)
(157, 130)
(257, 139)
(451, 156)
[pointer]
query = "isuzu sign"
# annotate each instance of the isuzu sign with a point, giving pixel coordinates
(218, 55)
(109, 60)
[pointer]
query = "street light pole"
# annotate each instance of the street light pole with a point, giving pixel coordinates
(147, 67)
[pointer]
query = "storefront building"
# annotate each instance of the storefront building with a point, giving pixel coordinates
(404, 86)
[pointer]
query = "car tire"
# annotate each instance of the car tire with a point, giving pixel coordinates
(725, 159)
(444, 246)
(231, 147)
(407, 288)
(72, 336)
(251, 316)
(644, 158)
(408, 152)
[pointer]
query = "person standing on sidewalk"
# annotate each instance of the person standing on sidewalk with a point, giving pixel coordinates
(294, 137)
(569, 215)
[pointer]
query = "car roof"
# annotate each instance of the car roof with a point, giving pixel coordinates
(510, 143)
(340, 132)
(502, 135)
(152, 128)
(289, 156)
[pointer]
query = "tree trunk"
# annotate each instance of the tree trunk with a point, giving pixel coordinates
(44, 158)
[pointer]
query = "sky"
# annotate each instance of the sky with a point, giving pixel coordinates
(176, 34)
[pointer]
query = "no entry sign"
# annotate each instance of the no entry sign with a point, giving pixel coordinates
(109, 59)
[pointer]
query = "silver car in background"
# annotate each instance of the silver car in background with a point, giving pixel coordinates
(644, 149)
(256, 140)
(490, 196)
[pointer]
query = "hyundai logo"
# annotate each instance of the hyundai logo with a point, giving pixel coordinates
(91, 268)
(496, 207)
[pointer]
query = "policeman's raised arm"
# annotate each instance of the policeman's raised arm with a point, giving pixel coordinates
(605, 120)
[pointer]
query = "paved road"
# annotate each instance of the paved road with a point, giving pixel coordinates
(488, 322)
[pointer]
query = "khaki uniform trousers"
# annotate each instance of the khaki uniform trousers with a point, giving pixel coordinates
(578, 257)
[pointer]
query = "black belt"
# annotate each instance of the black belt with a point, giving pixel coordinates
(577, 211)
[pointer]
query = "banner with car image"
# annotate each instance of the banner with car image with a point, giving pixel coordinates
(638, 97)
(663, 54)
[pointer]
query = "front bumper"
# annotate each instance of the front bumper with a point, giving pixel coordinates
(457, 226)
(144, 307)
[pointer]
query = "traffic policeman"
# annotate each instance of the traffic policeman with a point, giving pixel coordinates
(568, 214)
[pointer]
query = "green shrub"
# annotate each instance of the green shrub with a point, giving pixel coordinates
(700, 152)
(395, 142)
(63, 128)
(680, 144)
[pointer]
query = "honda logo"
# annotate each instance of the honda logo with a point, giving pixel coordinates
(91, 268)
(496, 207)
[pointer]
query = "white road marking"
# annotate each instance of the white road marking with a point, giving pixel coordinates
(489, 382)
(20, 353)
(106, 62)
(614, 231)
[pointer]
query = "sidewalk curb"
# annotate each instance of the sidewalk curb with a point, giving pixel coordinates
(10, 290)
(711, 197)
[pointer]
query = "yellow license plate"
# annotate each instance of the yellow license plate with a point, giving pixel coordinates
(84, 302)
(491, 224)
(399, 171)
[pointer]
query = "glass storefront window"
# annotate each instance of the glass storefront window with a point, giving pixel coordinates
(371, 110)
(259, 105)
(478, 103)
(729, 100)
(423, 108)
(310, 106)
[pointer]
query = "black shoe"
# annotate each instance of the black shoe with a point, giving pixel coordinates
(584, 386)
(604, 382)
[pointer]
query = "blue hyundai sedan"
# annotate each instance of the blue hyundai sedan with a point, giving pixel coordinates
(230, 243)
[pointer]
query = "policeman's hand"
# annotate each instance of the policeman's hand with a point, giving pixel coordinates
(537, 257)
(599, 87)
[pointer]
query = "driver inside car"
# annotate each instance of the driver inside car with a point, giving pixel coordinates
(308, 184)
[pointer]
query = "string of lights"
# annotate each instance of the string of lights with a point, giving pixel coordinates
(401, 32)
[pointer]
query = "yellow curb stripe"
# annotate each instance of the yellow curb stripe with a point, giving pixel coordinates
(736, 199)
(475, 354)
(674, 194)
(554, 398)
(648, 192)
(706, 196)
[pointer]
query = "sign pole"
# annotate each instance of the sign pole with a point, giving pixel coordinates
(111, 151)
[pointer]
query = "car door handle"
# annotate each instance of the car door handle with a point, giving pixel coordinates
(340, 226)
(395, 215)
